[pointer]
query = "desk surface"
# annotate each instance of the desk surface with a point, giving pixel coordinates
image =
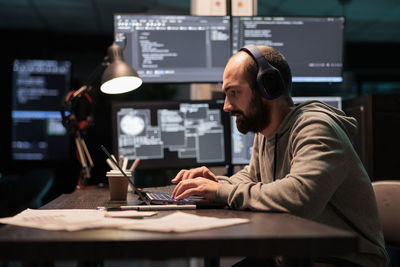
(268, 234)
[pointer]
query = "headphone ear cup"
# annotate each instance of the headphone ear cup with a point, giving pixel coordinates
(269, 79)
(272, 83)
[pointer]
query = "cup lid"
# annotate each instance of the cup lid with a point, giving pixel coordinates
(117, 173)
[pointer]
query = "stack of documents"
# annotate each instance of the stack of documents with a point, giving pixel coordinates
(79, 219)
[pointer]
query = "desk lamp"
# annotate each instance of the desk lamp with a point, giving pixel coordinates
(117, 77)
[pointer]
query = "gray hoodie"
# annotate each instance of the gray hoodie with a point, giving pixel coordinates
(309, 168)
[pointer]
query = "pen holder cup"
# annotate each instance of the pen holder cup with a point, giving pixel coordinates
(130, 188)
(118, 184)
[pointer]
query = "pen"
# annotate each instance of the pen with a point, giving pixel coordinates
(158, 207)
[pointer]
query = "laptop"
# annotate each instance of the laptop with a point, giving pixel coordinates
(162, 196)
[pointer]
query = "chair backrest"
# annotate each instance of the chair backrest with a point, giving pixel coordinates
(387, 195)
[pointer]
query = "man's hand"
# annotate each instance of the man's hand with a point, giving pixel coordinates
(194, 173)
(200, 187)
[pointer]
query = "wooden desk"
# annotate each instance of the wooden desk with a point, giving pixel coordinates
(268, 234)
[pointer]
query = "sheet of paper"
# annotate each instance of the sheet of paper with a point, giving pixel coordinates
(78, 219)
(64, 219)
(183, 222)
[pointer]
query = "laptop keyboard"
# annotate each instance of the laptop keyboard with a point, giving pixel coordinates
(165, 197)
(159, 196)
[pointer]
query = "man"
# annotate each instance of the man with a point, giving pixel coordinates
(303, 161)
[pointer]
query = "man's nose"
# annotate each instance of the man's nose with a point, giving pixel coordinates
(227, 105)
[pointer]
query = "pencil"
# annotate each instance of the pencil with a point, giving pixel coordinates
(125, 163)
(114, 158)
(111, 164)
(121, 159)
(134, 164)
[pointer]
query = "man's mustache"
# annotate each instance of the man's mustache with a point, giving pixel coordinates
(236, 112)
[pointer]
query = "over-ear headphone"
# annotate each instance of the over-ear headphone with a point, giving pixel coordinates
(77, 112)
(269, 78)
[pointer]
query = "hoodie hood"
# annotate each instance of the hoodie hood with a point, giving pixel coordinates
(348, 124)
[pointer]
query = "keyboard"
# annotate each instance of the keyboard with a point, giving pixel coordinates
(159, 196)
(165, 197)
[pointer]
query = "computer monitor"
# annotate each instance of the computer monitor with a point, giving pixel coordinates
(313, 46)
(37, 132)
(171, 134)
(242, 144)
(174, 49)
(334, 101)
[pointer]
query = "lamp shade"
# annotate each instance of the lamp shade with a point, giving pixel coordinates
(118, 77)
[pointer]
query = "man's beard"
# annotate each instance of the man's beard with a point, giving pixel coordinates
(257, 119)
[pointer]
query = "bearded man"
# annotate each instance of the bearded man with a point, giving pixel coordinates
(303, 161)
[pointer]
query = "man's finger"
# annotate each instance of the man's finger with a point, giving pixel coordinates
(193, 174)
(175, 190)
(178, 188)
(183, 186)
(178, 177)
(185, 175)
(188, 192)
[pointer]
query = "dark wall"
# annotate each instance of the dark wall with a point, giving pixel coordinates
(85, 53)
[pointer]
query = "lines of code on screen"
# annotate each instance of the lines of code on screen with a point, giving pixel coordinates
(175, 48)
(38, 89)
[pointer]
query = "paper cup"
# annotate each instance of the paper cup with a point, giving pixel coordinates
(118, 184)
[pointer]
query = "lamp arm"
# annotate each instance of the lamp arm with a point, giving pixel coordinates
(96, 74)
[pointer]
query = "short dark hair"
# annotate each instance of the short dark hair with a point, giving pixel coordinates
(276, 59)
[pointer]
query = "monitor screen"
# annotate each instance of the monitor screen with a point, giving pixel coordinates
(37, 132)
(171, 134)
(313, 46)
(174, 49)
(242, 144)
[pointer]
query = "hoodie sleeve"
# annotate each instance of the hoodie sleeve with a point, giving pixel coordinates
(318, 148)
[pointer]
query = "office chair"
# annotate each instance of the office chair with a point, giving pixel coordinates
(387, 195)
